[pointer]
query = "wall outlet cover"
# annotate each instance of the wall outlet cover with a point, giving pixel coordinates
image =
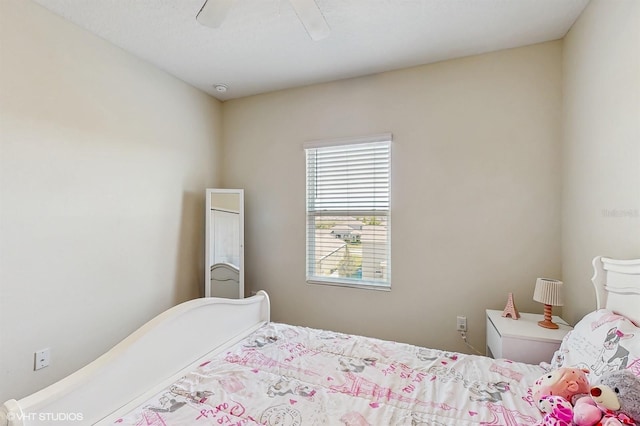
(42, 359)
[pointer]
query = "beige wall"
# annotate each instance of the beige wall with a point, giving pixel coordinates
(601, 144)
(475, 191)
(104, 162)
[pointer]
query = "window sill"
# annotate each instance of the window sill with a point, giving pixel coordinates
(363, 286)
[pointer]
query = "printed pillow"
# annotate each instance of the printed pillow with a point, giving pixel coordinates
(602, 341)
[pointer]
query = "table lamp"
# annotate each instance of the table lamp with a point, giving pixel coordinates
(549, 293)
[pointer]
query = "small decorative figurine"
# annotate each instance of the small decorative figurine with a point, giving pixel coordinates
(510, 310)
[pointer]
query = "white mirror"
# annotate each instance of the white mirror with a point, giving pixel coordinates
(224, 245)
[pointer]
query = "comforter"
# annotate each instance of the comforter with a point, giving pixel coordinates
(289, 375)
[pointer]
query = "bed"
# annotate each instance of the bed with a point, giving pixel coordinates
(222, 362)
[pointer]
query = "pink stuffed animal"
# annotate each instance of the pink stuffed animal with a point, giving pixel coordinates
(585, 412)
(613, 401)
(569, 383)
(558, 411)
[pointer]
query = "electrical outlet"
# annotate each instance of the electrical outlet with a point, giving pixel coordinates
(461, 323)
(42, 358)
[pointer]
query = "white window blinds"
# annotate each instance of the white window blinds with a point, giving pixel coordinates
(348, 204)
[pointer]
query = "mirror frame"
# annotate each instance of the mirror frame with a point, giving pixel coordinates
(208, 230)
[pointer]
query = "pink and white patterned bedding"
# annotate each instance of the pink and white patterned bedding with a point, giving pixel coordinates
(288, 375)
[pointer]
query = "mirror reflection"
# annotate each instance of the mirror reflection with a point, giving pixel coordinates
(224, 276)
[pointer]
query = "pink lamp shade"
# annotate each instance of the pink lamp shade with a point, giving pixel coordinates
(549, 293)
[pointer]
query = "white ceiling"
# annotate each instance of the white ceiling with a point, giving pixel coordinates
(262, 46)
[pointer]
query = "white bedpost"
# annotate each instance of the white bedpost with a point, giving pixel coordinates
(266, 306)
(11, 414)
(598, 281)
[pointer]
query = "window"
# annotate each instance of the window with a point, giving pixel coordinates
(348, 222)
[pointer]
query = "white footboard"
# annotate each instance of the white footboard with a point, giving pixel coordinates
(157, 350)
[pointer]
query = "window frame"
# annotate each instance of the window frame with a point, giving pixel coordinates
(310, 217)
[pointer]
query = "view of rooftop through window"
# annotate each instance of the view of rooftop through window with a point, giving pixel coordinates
(348, 213)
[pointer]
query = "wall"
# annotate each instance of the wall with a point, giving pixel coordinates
(104, 162)
(475, 191)
(601, 144)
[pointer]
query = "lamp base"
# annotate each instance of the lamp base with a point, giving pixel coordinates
(548, 324)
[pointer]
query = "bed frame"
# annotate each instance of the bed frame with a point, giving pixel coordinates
(183, 334)
(159, 349)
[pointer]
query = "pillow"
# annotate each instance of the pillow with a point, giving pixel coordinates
(602, 341)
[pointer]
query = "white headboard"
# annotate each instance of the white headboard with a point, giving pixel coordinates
(617, 284)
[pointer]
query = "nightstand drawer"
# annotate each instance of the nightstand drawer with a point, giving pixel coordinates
(529, 351)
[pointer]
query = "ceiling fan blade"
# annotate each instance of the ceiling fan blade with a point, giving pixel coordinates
(213, 12)
(311, 17)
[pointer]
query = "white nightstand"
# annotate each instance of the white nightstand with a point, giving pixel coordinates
(523, 340)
